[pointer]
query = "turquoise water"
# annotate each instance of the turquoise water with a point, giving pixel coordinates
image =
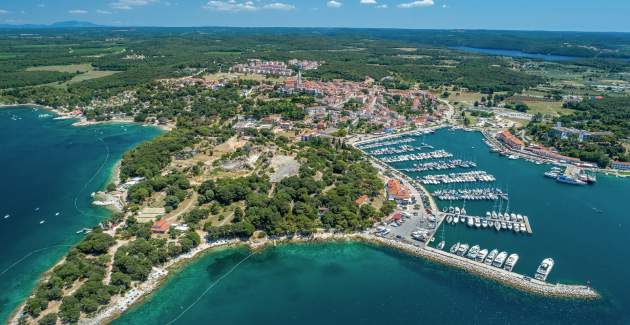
(515, 54)
(49, 165)
(585, 229)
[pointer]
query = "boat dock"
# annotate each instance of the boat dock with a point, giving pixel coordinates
(477, 222)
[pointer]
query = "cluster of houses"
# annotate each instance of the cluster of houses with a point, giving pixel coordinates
(255, 66)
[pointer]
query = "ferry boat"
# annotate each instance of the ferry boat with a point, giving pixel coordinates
(510, 262)
(472, 253)
(463, 248)
(454, 248)
(481, 256)
(500, 259)
(490, 258)
(544, 269)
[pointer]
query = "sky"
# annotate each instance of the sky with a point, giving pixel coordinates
(564, 15)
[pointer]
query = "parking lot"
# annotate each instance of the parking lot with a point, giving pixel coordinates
(414, 226)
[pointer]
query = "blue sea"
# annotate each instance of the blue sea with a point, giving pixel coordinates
(48, 169)
(585, 229)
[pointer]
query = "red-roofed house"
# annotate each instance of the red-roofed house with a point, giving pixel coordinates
(160, 227)
(362, 200)
(398, 192)
(510, 140)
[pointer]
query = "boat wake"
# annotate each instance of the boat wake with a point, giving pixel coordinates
(76, 198)
(212, 285)
(29, 255)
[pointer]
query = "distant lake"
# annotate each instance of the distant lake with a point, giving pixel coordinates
(515, 54)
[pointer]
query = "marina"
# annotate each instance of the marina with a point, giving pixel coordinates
(466, 177)
(418, 156)
(440, 165)
(494, 219)
(475, 194)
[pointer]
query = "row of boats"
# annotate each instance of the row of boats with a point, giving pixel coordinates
(418, 156)
(393, 150)
(488, 194)
(466, 177)
(440, 165)
(386, 143)
(479, 222)
(492, 258)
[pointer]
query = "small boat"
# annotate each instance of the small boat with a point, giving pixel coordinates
(440, 246)
(511, 261)
(36, 209)
(490, 258)
(58, 213)
(509, 225)
(456, 220)
(500, 259)
(484, 223)
(454, 248)
(449, 219)
(472, 253)
(42, 221)
(490, 223)
(488, 215)
(481, 256)
(7, 216)
(497, 226)
(463, 248)
(477, 223)
(471, 222)
(544, 269)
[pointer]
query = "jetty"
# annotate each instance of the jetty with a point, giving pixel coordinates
(511, 279)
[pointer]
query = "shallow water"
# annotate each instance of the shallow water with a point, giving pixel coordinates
(47, 167)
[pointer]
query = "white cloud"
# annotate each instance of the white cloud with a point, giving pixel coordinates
(279, 6)
(130, 4)
(383, 6)
(77, 12)
(235, 6)
(103, 12)
(334, 4)
(368, 2)
(41, 5)
(416, 4)
(3, 12)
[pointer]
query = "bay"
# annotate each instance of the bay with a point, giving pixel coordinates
(48, 169)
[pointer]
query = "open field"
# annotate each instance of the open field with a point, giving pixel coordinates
(86, 72)
(547, 108)
(242, 76)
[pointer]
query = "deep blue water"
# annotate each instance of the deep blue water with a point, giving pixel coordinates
(585, 229)
(52, 167)
(515, 53)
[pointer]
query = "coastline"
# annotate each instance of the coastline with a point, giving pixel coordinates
(513, 280)
(82, 122)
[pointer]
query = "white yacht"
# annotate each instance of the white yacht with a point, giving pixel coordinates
(472, 253)
(484, 223)
(510, 262)
(454, 248)
(477, 222)
(463, 248)
(544, 269)
(500, 259)
(481, 256)
(491, 256)
(471, 222)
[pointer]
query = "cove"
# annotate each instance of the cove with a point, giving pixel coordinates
(48, 170)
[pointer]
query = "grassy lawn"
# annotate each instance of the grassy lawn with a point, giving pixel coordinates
(547, 108)
(70, 68)
(86, 71)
